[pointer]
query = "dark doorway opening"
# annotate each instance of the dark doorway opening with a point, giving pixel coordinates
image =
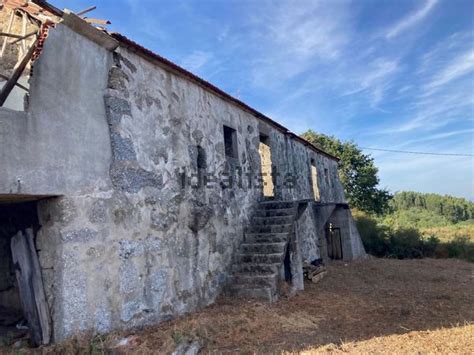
(287, 266)
(334, 242)
(20, 275)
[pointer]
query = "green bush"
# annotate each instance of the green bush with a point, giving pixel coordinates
(460, 247)
(408, 243)
(373, 236)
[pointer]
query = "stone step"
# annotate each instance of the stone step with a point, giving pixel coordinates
(256, 268)
(275, 212)
(266, 294)
(255, 258)
(250, 279)
(263, 248)
(274, 220)
(275, 228)
(269, 205)
(266, 237)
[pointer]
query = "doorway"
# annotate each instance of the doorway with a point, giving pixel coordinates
(265, 152)
(23, 308)
(314, 181)
(334, 242)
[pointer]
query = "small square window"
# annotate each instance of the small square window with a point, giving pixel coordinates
(230, 142)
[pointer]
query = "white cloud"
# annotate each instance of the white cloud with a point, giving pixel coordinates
(439, 136)
(374, 79)
(410, 20)
(436, 111)
(290, 39)
(443, 87)
(405, 89)
(443, 51)
(196, 60)
(460, 66)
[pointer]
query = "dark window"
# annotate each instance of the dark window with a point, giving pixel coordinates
(265, 139)
(230, 142)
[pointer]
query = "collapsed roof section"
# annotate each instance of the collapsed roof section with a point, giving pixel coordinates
(47, 15)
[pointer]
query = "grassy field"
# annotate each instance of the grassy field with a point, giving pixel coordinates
(448, 233)
(373, 306)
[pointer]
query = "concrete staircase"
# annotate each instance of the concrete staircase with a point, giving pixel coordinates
(259, 264)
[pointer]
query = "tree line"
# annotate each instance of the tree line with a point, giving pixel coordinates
(359, 176)
(454, 209)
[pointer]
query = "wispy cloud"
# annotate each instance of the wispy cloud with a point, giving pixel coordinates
(410, 20)
(291, 39)
(435, 112)
(374, 79)
(441, 87)
(440, 136)
(457, 68)
(196, 60)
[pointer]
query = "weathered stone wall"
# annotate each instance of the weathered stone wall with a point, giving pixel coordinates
(148, 248)
(135, 239)
(292, 162)
(308, 235)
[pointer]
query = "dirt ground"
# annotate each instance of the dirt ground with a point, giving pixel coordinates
(374, 306)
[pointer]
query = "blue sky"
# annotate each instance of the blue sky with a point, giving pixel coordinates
(387, 74)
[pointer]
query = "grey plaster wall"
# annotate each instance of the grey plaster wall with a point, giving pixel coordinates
(352, 247)
(61, 145)
(308, 235)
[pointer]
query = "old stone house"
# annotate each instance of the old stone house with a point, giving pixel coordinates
(136, 191)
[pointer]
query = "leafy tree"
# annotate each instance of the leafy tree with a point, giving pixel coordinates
(357, 171)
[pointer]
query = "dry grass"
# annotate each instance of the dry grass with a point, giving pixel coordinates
(458, 340)
(375, 306)
(448, 233)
